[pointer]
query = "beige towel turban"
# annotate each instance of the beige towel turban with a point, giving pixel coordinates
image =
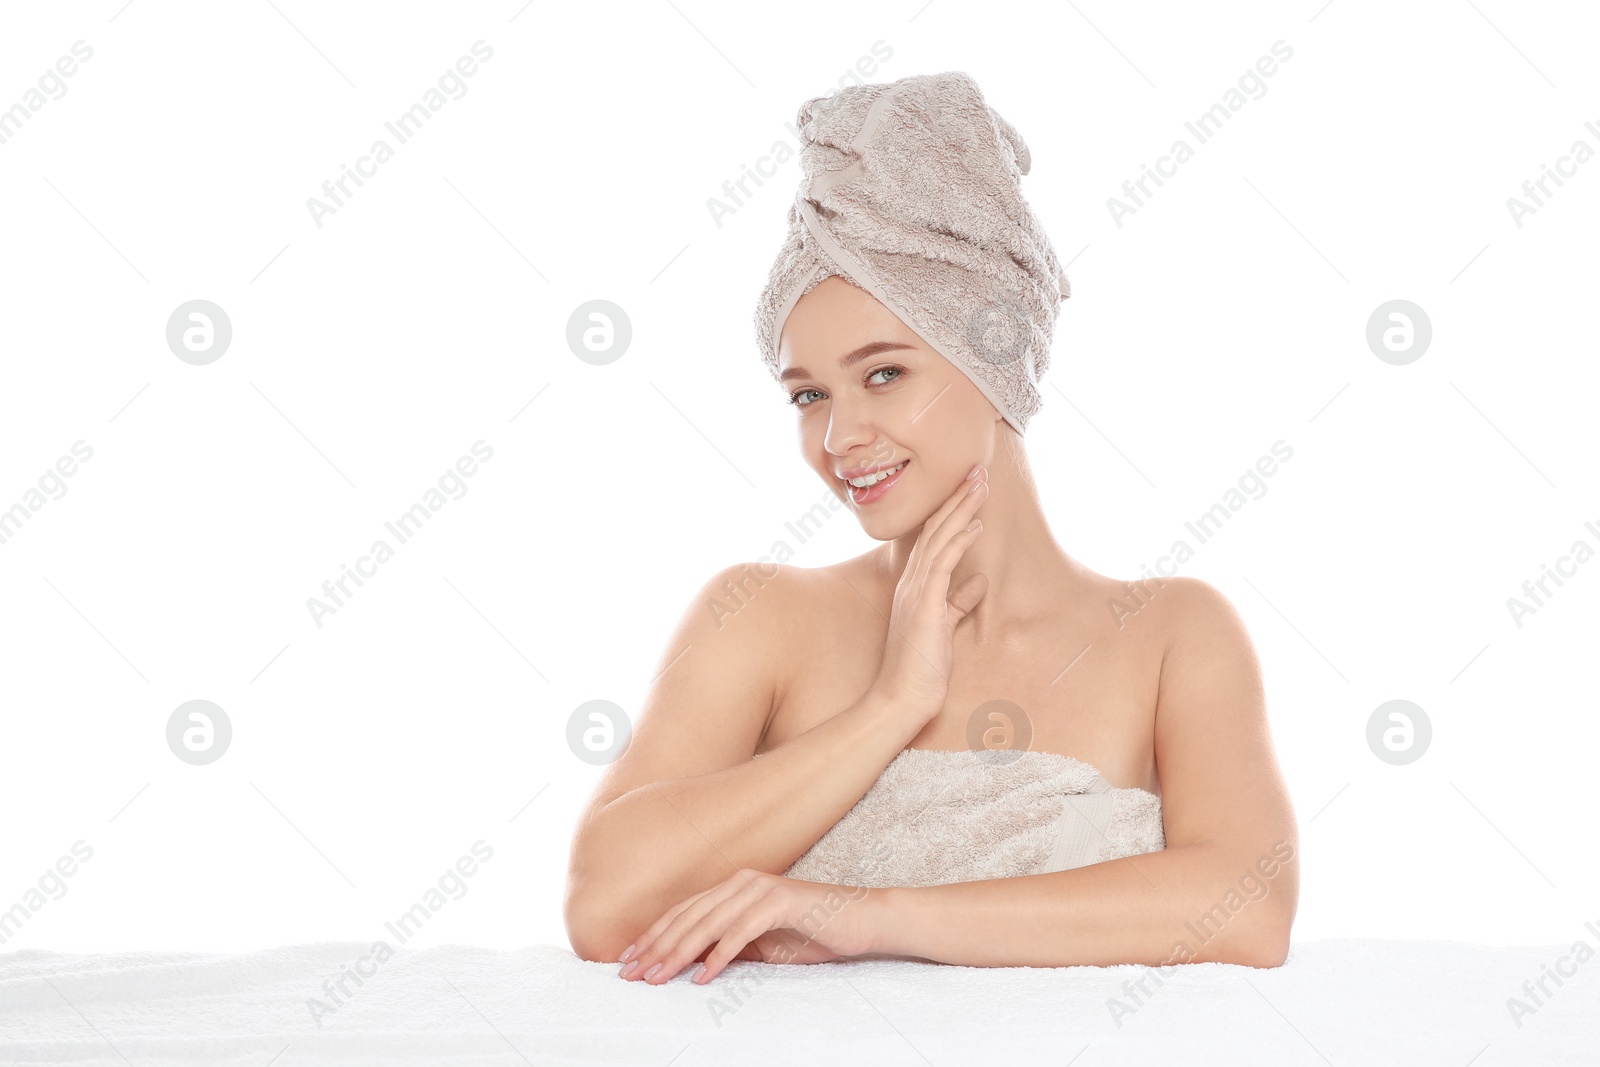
(911, 190)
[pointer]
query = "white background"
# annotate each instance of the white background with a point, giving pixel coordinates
(429, 312)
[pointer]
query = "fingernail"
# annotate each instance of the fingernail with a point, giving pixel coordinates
(627, 967)
(973, 473)
(700, 973)
(626, 953)
(651, 971)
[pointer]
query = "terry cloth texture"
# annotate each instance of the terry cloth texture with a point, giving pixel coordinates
(911, 190)
(1347, 1002)
(934, 817)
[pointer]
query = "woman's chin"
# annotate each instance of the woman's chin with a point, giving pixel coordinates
(884, 527)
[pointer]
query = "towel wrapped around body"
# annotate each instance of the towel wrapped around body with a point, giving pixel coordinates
(934, 817)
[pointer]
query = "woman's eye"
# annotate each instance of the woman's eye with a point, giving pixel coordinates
(794, 397)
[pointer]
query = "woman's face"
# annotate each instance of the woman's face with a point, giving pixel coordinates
(870, 394)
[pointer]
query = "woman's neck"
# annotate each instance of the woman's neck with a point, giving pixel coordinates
(1030, 577)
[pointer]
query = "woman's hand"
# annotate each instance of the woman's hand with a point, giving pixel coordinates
(920, 649)
(754, 916)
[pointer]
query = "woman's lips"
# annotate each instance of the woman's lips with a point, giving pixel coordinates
(876, 491)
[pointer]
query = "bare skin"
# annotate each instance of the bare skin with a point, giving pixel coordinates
(1084, 687)
(1039, 608)
(1154, 683)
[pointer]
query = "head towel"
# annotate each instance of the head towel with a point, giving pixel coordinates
(911, 190)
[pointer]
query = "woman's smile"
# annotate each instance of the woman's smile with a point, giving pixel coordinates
(877, 490)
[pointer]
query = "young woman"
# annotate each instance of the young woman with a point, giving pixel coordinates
(962, 746)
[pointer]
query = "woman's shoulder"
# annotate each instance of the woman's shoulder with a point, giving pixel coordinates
(745, 585)
(1174, 597)
(1196, 619)
(795, 579)
(1169, 610)
(1195, 601)
(786, 598)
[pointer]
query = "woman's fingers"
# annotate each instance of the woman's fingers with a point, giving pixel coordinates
(949, 541)
(695, 929)
(660, 932)
(669, 931)
(945, 566)
(744, 930)
(752, 916)
(970, 496)
(645, 940)
(957, 497)
(918, 653)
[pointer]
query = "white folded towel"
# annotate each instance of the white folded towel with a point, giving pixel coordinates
(1352, 1002)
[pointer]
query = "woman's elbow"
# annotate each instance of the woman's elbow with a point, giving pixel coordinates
(595, 946)
(592, 928)
(1266, 951)
(1265, 944)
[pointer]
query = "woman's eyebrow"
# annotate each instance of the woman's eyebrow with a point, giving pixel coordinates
(871, 348)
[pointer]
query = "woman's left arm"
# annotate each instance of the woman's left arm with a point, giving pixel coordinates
(1226, 887)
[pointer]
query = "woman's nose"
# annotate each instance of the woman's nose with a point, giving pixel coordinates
(846, 429)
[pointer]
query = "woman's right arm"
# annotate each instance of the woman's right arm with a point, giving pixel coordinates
(687, 804)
